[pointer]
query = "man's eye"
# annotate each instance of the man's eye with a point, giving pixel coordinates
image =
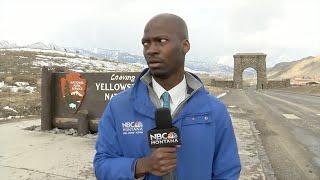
(145, 43)
(163, 40)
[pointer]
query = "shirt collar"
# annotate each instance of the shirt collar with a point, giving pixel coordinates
(175, 92)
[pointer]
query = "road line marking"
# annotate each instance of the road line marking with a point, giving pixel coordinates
(290, 116)
(318, 114)
(221, 95)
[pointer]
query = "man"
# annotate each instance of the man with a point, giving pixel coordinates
(208, 147)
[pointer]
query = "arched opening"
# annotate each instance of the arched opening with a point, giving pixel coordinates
(249, 78)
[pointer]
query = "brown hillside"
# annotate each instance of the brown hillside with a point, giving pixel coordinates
(306, 67)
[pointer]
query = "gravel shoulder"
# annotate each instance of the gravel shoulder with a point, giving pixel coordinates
(28, 154)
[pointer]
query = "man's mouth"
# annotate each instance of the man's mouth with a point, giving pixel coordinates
(154, 65)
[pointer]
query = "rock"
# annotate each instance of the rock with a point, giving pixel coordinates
(90, 136)
(8, 79)
(54, 130)
(71, 132)
(37, 128)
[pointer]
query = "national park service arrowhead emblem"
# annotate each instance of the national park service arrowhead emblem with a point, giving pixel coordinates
(73, 89)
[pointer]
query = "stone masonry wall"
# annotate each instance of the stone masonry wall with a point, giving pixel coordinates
(279, 84)
(216, 83)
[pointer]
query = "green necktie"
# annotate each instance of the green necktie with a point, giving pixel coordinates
(166, 100)
(166, 104)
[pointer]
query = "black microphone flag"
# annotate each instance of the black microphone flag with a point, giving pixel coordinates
(164, 135)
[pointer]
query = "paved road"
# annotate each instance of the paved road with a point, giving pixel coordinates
(289, 126)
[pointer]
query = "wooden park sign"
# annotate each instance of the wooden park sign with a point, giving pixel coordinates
(77, 100)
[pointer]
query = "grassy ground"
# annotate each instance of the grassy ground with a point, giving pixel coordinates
(14, 67)
(215, 90)
(24, 103)
(304, 89)
(206, 80)
(17, 66)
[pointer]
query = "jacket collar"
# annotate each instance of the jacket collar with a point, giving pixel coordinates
(140, 96)
(144, 105)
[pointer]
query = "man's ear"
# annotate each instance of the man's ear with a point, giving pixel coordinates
(185, 46)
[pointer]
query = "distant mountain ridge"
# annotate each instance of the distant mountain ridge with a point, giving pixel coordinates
(117, 55)
(308, 67)
(305, 67)
(6, 44)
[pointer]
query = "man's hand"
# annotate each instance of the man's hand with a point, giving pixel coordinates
(160, 162)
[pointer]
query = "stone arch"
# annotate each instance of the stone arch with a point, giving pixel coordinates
(256, 61)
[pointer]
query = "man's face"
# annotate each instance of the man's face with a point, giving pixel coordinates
(163, 50)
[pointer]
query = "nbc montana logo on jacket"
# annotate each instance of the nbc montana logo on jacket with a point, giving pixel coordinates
(133, 127)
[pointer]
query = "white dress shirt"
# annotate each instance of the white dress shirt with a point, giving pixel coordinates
(177, 93)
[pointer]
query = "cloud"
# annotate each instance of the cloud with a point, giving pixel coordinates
(252, 16)
(226, 60)
(217, 29)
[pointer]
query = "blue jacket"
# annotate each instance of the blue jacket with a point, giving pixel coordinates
(208, 145)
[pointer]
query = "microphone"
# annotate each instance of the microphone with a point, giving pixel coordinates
(164, 134)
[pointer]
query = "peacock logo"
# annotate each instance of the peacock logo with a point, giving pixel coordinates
(138, 124)
(172, 135)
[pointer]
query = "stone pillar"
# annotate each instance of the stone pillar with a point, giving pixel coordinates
(237, 72)
(46, 100)
(213, 82)
(83, 122)
(261, 72)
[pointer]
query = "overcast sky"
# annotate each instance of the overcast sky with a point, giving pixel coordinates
(285, 30)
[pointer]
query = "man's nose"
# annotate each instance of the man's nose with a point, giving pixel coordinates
(152, 49)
